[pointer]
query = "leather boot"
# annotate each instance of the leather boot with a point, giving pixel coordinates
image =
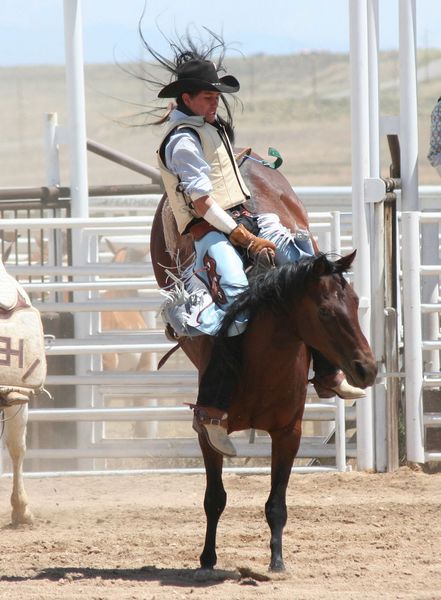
(212, 423)
(336, 384)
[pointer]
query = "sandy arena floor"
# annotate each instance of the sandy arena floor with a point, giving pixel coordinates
(352, 535)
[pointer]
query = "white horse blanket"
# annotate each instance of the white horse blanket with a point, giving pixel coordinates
(22, 352)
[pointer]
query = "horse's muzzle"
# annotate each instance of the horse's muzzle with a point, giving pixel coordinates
(363, 372)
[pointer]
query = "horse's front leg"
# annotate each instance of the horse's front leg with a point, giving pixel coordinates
(15, 437)
(214, 501)
(285, 444)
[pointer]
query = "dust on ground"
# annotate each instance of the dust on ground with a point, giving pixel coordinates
(349, 535)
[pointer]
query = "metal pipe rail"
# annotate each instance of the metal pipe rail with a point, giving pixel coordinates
(432, 456)
(171, 471)
(431, 345)
(184, 448)
(318, 411)
(95, 269)
(429, 217)
(55, 196)
(431, 382)
(430, 308)
(432, 419)
(70, 347)
(85, 223)
(131, 304)
(146, 378)
(430, 270)
(125, 161)
(147, 286)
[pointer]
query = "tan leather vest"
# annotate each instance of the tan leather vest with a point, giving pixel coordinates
(229, 189)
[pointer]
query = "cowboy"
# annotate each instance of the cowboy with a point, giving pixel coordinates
(208, 196)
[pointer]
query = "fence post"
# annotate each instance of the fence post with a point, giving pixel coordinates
(52, 154)
(393, 390)
(378, 341)
(361, 239)
(79, 186)
(336, 232)
(413, 359)
(340, 434)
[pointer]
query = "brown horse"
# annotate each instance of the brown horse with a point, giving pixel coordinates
(291, 308)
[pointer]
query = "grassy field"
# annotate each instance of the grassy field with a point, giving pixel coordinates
(300, 104)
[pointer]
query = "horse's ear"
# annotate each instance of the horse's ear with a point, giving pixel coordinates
(320, 265)
(7, 251)
(111, 246)
(344, 263)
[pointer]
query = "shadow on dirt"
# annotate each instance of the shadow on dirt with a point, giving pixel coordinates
(172, 577)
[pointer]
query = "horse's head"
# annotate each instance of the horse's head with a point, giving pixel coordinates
(327, 307)
(312, 301)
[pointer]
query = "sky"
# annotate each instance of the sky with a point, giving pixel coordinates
(31, 31)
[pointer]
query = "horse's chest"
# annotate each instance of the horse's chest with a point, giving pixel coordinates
(268, 407)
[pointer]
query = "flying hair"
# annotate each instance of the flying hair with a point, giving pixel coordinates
(188, 46)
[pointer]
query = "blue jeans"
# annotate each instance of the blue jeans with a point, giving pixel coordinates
(217, 277)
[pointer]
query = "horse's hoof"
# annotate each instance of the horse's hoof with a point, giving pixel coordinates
(277, 566)
(26, 519)
(207, 561)
(206, 566)
(203, 574)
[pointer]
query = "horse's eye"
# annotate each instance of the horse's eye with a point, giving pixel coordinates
(324, 312)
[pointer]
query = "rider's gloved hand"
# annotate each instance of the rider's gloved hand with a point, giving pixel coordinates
(240, 236)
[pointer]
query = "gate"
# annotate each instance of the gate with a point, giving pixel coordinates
(421, 336)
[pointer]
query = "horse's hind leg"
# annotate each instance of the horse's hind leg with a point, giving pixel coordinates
(15, 437)
(214, 502)
(285, 444)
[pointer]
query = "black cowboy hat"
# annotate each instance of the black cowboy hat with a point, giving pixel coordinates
(197, 75)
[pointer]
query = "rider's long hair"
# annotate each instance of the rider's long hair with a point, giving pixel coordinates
(186, 47)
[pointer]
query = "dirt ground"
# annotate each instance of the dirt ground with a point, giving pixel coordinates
(133, 537)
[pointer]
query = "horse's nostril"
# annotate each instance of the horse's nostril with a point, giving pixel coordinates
(359, 369)
(365, 371)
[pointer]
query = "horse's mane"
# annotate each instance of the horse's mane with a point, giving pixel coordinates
(275, 288)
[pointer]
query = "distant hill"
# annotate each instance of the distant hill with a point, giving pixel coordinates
(300, 104)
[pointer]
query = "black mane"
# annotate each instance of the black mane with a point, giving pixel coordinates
(277, 287)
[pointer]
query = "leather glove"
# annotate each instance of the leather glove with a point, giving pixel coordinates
(240, 236)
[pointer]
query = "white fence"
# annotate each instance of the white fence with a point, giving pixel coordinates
(149, 398)
(154, 399)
